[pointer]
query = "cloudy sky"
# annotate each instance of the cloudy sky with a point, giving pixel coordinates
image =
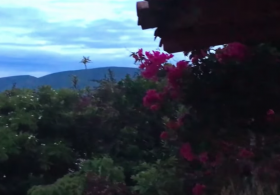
(38, 37)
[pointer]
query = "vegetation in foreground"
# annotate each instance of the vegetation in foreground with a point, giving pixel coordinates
(208, 126)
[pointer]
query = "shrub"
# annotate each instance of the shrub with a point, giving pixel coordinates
(194, 127)
(48, 131)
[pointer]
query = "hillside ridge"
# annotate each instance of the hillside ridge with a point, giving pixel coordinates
(63, 79)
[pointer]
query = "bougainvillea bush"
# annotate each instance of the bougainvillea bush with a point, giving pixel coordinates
(226, 123)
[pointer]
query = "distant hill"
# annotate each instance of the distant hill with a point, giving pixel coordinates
(64, 79)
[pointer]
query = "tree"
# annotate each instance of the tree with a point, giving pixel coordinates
(85, 61)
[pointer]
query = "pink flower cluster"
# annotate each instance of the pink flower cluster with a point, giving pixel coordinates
(153, 62)
(175, 73)
(232, 51)
(152, 99)
(150, 64)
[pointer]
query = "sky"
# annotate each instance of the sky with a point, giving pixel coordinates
(39, 37)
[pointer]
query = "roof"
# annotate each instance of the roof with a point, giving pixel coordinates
(184, 26)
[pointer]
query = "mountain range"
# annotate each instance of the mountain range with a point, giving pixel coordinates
(64, 79)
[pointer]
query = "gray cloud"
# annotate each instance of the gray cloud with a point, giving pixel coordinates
(98, 34)
(101, 33)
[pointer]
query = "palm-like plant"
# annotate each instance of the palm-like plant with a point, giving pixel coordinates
(85, 61)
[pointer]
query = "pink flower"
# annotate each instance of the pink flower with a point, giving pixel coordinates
(171, 92)
(244, 153)
(138, 56)
(232, 51)
(182, 65)
(203, 157)
(152, 63)
(270, 115)
(142, 66)
(151, 99)
(140, 52)
(198, 189)
(173, 125)
(270, 112)
(175, 73)
(154, 107)
(164, 135)
(195, 60)
(186, 152)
